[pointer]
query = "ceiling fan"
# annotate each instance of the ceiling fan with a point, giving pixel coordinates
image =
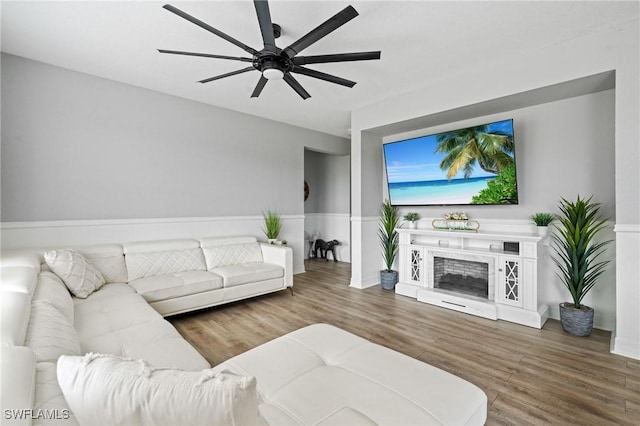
(275, 63)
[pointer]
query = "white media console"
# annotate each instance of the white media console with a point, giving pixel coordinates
(489, 274)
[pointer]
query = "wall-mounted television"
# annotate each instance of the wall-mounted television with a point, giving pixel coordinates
(470, 166)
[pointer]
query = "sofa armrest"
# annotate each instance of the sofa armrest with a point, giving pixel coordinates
(18, 384)
(279, 255)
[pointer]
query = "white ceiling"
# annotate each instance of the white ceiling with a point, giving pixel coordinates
(422, 43)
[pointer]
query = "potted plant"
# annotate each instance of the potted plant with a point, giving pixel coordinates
(412, 218)
(389, 241)
(577, 252)
(272, 225)
(542, 221)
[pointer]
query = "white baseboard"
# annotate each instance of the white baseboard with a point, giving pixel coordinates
(626, 348)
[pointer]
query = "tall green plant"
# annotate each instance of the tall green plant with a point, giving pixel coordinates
(575, 246)
(272, 224)
(389, 217)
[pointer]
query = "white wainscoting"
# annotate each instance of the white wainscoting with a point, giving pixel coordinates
(55, 234)
(366, 257)
(331, 226)
(626, 339)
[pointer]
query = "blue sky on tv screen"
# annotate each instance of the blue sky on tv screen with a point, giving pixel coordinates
(415, 160)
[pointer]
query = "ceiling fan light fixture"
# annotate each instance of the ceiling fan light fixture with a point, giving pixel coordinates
(272, 73)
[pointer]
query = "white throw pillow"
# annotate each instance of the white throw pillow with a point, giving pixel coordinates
(106, 389)
(50, 334)
(78, 274)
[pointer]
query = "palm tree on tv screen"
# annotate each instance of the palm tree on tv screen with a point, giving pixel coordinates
(492, 151)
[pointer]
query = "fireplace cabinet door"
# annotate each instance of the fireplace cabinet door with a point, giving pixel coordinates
(510, 286)
(415, 266)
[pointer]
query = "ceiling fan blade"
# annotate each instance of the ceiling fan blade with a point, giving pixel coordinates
(331, 24)
(339, 57)
(323, 76)
(266, 27)
(210, 28)
(261, 83)
(288, 78)
(205, 55)
(229, 74)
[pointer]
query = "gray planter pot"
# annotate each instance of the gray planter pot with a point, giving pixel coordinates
(578, 322)
(388, 279)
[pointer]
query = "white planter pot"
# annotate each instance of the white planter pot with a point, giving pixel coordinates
(542, 231)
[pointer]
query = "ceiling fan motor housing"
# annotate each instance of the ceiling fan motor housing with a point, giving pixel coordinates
(271, 61)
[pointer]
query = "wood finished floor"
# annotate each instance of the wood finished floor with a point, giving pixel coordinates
(530, 376)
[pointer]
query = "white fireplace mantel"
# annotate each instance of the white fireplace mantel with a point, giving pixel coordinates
(512, 260)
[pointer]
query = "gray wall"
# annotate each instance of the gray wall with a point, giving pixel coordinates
(76, 146)
(563, 148)
(329, 180)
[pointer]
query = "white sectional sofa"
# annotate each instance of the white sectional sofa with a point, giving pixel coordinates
(178, 276)
(316, 375)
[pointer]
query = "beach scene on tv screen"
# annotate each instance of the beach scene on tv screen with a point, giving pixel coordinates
(474, 165)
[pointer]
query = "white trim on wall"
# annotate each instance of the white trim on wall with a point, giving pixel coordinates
(69, 233)
(624, 341)
(366, 257)
(627, 228)
(331, 226)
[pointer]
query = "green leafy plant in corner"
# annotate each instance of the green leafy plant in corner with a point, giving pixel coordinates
(501, 190)
(389, 239)
(272, 224)
(412, 217)
(576, 248)
(543, 219)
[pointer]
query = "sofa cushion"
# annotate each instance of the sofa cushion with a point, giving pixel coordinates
(322, 369)
(230, 251)
(102, 389)
(21, 257)
(78, 274)
(106, 292)
(108, 259)
(50, 334)
(118, 321)
(49, 398)
(51, 289)
(148, 259)
(100, 316)
(15, 314)
(170, 286)
(234, 275)
(22, 279)
(346, 416)
(17, 387)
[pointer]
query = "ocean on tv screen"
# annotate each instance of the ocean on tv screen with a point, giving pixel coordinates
(473, 165)
(455, 191)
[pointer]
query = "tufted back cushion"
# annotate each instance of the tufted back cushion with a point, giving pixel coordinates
(148, 259)
(230, 251)
(108, 259)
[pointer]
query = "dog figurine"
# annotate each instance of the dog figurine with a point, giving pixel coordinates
(324, 247)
